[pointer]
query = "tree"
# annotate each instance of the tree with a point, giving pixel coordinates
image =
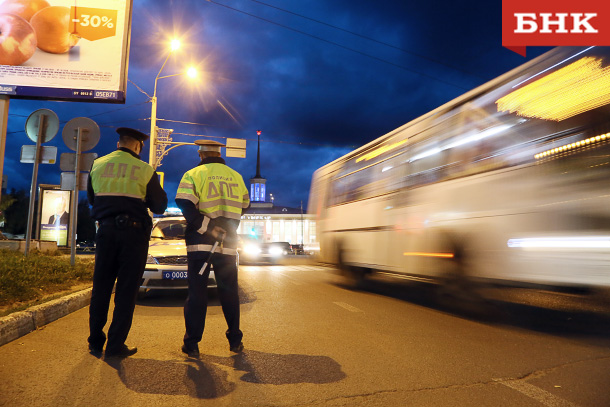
(6, 202)
(85, 227)
(16, 213)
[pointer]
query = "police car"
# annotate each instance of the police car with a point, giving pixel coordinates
(166, 266)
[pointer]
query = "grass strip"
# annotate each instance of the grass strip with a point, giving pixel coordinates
(39, 274)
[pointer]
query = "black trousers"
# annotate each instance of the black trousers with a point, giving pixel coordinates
(120, 255)
(195, 308)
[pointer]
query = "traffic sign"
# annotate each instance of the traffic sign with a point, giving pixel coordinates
(67, 161)
(236, 147)
(67, 181)
(80, 134)
(51, 125)
(41, 126)
(90, 133)
(48, 154)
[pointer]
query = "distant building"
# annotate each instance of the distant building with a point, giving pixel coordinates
(278, 224)
(267, 222)
(258, 184)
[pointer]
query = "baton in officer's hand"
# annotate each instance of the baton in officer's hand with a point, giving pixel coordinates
(219, 239)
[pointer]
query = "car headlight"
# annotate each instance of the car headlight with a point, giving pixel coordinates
(276, 251)
(151, 260)
(252, 250)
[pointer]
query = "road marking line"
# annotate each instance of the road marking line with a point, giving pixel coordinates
(292, 279)
(348, 307)
(537, 394)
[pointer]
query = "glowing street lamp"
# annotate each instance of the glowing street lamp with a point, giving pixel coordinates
(191, 73)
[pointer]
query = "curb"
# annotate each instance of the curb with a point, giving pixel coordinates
(17, 324)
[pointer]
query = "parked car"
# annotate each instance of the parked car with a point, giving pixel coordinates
(86, 246)
(166, 266)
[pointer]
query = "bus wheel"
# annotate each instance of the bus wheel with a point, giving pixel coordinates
(353, 276)
(456, 285)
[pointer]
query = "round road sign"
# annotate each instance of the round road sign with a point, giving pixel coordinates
(50, 129)
(90, 133)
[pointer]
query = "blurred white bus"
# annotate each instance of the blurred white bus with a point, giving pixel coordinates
(508, 183)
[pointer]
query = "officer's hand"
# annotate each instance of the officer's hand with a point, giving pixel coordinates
(217, 232)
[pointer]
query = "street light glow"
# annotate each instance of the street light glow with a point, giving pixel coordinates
(192, 72)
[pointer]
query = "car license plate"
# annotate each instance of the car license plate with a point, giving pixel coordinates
(174, 275)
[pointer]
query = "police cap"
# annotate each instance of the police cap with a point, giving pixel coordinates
(209, 145)
(133, 133)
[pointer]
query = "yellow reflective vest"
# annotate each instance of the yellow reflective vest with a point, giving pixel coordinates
(216, 190)
(120, 174)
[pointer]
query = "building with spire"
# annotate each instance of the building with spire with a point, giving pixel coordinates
(258, 184)
(268, 222)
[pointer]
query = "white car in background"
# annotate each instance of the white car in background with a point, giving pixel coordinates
(166, 266)
(254, 251)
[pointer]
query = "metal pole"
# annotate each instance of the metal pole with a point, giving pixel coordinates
(39, 217)
(152, 154)
(41, 131)
(4, 101)
(73, 213)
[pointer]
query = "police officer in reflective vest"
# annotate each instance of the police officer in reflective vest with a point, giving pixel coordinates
(121, 188)
(212, 197)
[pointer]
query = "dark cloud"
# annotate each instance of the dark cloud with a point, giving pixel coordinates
(316, 92)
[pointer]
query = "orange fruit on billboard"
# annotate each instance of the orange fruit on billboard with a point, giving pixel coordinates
(52, 26)
(17, 40)
(23, 8)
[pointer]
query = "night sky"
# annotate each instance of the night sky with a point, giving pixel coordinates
(318, 77)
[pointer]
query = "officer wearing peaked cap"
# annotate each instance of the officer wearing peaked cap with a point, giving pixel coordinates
(209, 145)
(133, 133)
(212, 197)
(121, 189)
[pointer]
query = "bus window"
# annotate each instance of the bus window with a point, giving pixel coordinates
(379, 172)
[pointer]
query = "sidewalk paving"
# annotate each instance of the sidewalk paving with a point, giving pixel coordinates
(17, 324)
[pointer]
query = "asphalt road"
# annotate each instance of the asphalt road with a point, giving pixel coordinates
(311, 341)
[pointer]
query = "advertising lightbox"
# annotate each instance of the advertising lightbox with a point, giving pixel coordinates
(55, 215)
(71, 50)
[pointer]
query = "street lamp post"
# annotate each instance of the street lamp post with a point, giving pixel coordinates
(153, 113)
(191, 72)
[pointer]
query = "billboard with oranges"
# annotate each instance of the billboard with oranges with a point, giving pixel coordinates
(64, 49)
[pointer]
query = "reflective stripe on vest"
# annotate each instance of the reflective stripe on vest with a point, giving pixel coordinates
(208, 248)
(216, 189)
(120, 174)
